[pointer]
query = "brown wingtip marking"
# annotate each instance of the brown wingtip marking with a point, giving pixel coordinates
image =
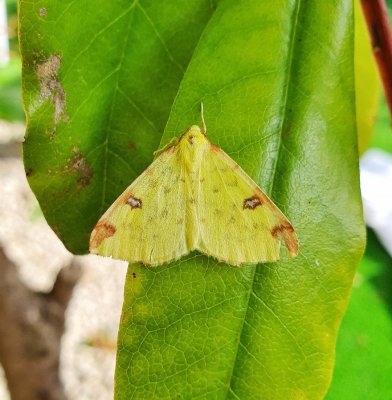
(286, 232)
(252, 202)
(101, 231)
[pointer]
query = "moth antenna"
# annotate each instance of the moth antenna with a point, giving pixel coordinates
(202, 118)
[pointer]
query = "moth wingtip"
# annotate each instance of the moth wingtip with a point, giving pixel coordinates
(101, 231)
(286, 232)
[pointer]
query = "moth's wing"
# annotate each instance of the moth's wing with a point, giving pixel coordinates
(147, 222)
(238, 223)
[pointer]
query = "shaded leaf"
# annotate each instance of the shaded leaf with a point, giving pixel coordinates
(367, 81)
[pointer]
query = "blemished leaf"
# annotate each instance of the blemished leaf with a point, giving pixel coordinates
(99, 82)
(100, 86)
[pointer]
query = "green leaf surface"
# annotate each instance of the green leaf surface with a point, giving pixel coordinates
(277, 82)
(98, 84)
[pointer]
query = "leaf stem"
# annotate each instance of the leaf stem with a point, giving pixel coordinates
(376, 16)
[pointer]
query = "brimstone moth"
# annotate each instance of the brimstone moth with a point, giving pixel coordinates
(193, 197)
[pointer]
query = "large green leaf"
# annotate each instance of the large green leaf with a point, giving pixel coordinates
(278, 89)
(98, 84)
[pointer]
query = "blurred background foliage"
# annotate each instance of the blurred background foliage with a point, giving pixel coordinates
(364, 349)
(10, 76)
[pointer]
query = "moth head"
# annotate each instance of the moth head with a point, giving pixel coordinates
(193, 138)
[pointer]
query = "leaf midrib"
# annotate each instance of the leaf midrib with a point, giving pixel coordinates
(294, 29)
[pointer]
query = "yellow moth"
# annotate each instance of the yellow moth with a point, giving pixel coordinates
(193, 197)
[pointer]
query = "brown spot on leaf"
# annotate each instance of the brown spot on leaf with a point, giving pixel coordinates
(51, 87)
(81, 167)
(190, 140)
(134, 275)
(215, 190)
(29, 171)
(132, 145)
(42, 12)
(134, 202)
(252, 202)
(101, 231)
(286, 232)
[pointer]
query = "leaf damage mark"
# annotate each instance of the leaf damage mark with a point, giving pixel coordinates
(43, 12)
(79, 165)
(132, 146)
(51, 88)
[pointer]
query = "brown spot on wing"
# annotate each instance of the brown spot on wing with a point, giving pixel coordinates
(134, 202)
(252, 202)
(286, 232)
(101, 231)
